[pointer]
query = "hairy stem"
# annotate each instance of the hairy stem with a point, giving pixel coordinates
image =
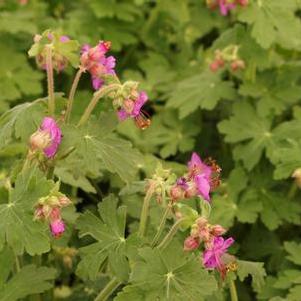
(164, 243)
(97, 96)
(50, 81)
(144, 211)
(108, 290)
(161, 226)
(233, 292)
(72, 93)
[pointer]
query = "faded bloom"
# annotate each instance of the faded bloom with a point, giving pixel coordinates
(57, 227)
(95, 61)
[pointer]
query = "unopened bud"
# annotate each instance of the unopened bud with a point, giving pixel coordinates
(37, 38)
(237, 65)
(64, 201)
(297, 175)
(176, 193)
(191, 243)
(201, 222)
(39, 140)
(217, 230)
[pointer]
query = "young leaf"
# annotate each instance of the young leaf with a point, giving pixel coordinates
(294, 251)
(255, 269)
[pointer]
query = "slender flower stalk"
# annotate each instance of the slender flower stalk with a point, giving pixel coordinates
(108, 290)
(145, 211)
(97, 96)
(161, 226)
(233, 292)
(50, 81)
(72, 93)
(164, 243)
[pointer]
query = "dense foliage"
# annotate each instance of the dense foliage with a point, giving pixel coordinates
(97, 200)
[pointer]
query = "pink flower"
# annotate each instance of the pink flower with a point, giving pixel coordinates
(225, 6)
(191, 243)
(212, 257)
(57, 227)
(132, 108)
(50, 126)
(95, 61)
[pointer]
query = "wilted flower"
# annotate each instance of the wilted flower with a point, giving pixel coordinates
(95, 61)
(47, 138)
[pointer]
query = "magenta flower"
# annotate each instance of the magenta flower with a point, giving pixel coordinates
(212, 257)
(50, 127)
(132, 109)
(95, 61)
(225, 6)
(200, 173)
(57, 227)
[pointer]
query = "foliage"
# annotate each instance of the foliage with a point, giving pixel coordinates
(248, 118)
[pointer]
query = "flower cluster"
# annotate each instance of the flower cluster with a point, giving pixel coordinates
(49, 209)
(95, 61)
(215, 245)
(55, 42)
(227, 56)
(47, 138)
(226, 5)
(200, 180)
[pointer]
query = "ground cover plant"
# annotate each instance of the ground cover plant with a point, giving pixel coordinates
(150, 150)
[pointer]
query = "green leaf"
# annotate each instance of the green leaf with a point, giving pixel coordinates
(17, 226)
(6, 263)
(245, 125)
(294, 293)
(109, 232)
(288, 277)
(199, 91)
(255, 269)
(20, 122)
(177, 277)
(30, 280)
(294, 251)
(273, 22)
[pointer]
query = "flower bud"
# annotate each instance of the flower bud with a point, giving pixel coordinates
(201, 222)
(237, 65)
(243, 2)
(214, 66)
(55, 214)
(57, 228)
(176, 193)
(191, 243)
(217, 230)
(64, 201)
(39, 140)
(297, 175)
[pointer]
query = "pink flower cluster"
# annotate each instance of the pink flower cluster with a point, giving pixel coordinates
(47, 138)
(200, 180)
(215, 245)
(226, 5)
(49, 209)
(95, 61)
